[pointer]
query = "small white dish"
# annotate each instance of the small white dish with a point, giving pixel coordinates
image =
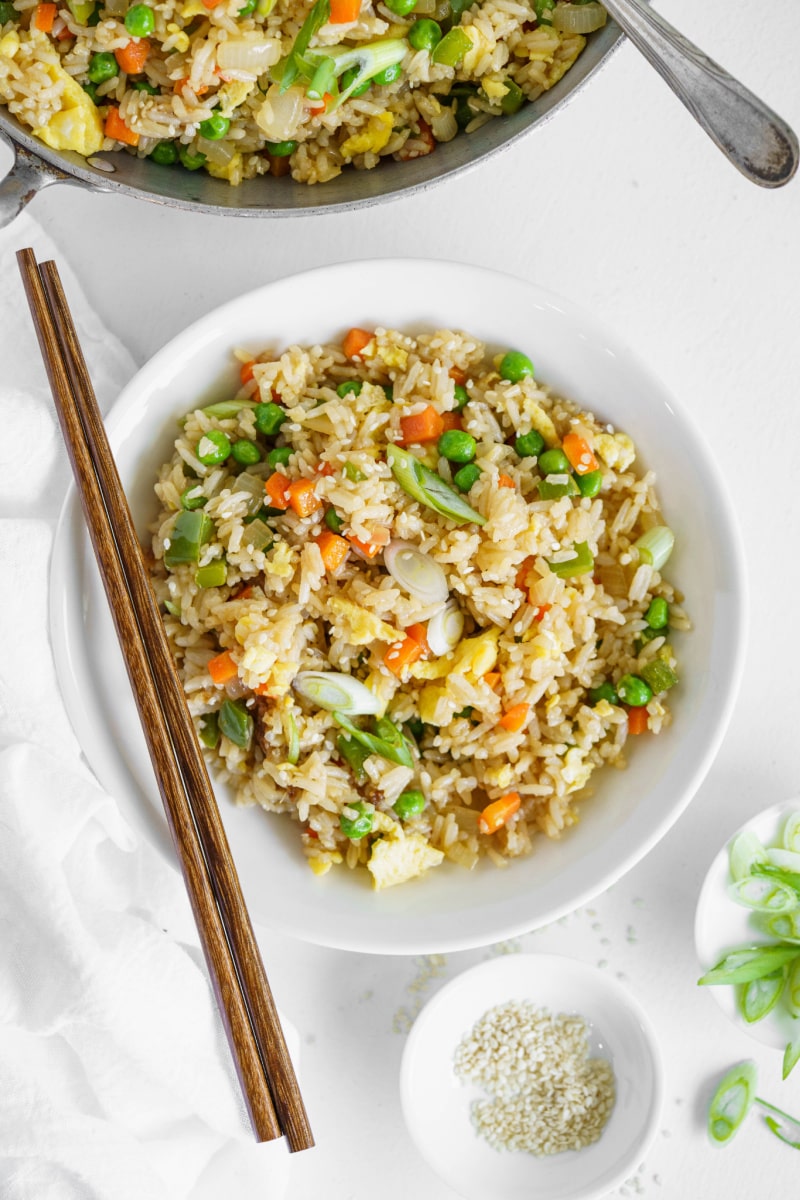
(721, 925)
(437, 1104)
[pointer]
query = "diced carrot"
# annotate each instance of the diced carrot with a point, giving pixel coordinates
(64, 34)
(402, 655)
(425, 426)
(132, 56)
(116, 128)
(458, 376)
(499, 812)
(342, 11)
(180, 84)
(637, 720)
(334, 549)
(316, 109)
(211, 3)
(355, 342)
(492, 678)
(222, 668)
(324, 468)
(44, 16)
(245, 593)
(246, 372)
(505, 481)
(302, 497)
(419, 632)
(262, 689)
(514, 718)
(277, 488)
(451, 420)
(541, 610)
(579, 453)
(522, 573)
(279, 164)
(370, 549)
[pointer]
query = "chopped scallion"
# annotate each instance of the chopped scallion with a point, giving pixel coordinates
(655, 546)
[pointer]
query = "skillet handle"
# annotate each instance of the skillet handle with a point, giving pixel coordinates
(27, 176)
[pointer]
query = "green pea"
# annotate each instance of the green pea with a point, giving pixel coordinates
(425, 34)
(140, 20)
(209, 730)
(236, 723)
(657, 615)
(102, 66)
(349, 77)
(604, 691)
(461, 396)
(388, 75)
(193, 498)
(529, 445)
(401, 8)
(333, 520)
(191, 160)
(213, 448)
(144, 85)
(359, 826)
(245, 452)
(9, 13)
(164, 153)
(409, 804)
(514, 98)
(467, 477)
(89, 88)
(269, 418)
(554, 462)
(215, 127)
(279, 456)
(281, 149)
(590, 483)
(515, 366)
(548, 490)
(457, 446)
(634, 691)
(351, 387)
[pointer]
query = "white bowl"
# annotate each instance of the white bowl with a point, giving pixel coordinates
(436, 1104)
(631, 810)
(721, 925)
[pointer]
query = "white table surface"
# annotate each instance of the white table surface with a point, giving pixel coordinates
(622, 204)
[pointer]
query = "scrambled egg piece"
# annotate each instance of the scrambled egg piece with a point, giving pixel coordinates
(77, 125)
(616, 450)
(231, 171)
(481, 45)
(575, 772)
(473, 657)
(495, 89)
(394, 356)
(374, 137)
(232, 94)
(540, 421)
(195, 8)
(358, 625)
(398, 858)
(541, 45)
(9, 45)
(568, 51)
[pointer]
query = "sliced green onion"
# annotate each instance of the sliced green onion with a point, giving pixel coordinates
(354, 754)
(791, 1055)
(226, 409)
(333, 520)
(580, 561)
(781, 1124)
(322, 80)
(425, 486)
(785, 860)
(790, 836)
(173, 609)
(337, 692)
(236, 723)
(190, 531)
(655, 546)
(292, 738)
(764, 895)
(209, 730)
(354, 65)
(760, 996)
(749, 962)
(318, 15)
(395, 750)
(452, 48)
(731, 1102)
(746, 850)
(785, 926)
(793, 989)
(445, 629)
(353, 473)
(417, 573)
(658, 675)
(214, 574)
(789, 879)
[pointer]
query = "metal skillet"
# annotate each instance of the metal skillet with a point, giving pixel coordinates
(758, 142)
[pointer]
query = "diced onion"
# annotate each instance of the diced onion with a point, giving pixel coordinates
(444, 125)
(655, 546)
(418, 574)
(280, 115)
(445, 629)
(578, 18)
(219, 152)
(248, 55)
(337, 693)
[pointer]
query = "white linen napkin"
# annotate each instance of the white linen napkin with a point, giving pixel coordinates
(115, 1078)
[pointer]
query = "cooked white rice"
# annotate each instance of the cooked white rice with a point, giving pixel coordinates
(532, 637)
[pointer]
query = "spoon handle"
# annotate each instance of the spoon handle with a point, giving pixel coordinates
(751, 135)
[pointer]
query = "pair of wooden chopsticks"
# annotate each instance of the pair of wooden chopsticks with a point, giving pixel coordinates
(234, 961)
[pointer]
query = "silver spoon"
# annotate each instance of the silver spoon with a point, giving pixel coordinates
(751, 135)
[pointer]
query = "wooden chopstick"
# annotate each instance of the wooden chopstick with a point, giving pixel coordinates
(234, 961)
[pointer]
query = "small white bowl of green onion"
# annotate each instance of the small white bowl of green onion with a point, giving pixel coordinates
(747, 929)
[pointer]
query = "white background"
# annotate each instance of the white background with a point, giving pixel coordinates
(622, 204)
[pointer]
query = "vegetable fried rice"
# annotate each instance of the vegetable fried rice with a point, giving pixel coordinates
(239, 89)
(415, 598)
